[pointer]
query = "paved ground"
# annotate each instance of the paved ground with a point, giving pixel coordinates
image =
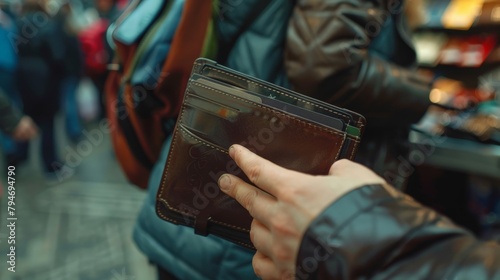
(77, 229)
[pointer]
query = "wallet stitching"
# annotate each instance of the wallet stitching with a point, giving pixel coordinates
(285, 94)
(328, 130)
(187, 133)
(354, 149)
(163, 181)
(228, 225)
(163, 187)
(167, 170)
(163, 216)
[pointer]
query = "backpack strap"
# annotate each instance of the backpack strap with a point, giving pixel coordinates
(187, 46)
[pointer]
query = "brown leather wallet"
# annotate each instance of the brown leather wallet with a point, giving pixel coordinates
(222, 107)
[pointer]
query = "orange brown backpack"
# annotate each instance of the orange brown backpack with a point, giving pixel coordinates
(156, 44)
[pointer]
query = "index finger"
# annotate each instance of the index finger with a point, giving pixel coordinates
(266, 175)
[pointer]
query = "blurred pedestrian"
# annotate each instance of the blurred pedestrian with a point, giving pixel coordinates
(73, 71)
(41, 69)
(97, 51)
(14, 124)
(8, 66)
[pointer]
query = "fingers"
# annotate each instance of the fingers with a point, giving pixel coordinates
(264, 267)
(340, 166)
(263, 173)
(354, 172)
(261, 238)
(257, 202)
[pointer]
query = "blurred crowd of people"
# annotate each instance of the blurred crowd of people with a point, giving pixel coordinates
(45, 54)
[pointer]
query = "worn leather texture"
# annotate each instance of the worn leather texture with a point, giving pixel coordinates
(216, 114)
(375, 232)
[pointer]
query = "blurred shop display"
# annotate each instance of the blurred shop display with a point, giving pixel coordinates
(462, 14)
(491, 82)
(461, 51)
(481, 124)
(461, 41)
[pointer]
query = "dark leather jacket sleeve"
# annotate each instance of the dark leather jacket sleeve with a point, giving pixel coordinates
(375, 232)
(327, 57)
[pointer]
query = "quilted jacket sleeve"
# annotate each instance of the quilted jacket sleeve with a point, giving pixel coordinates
(376, 232)
(327, 57)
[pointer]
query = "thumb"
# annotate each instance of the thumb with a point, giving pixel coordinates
(341, 167)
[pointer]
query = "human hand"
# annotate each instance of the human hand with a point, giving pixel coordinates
(285, 203)
(25, 129)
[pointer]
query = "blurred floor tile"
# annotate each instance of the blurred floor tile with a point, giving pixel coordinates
(79, 227)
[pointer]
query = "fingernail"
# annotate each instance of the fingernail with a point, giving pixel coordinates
(225, 182)
(231, 151)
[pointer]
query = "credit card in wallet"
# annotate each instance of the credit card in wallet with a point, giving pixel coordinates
(273, 103)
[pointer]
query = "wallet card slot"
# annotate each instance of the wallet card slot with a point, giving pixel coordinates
(318, 118)
(270, 90)
(209, 93)
(240, 101)
(210, 125)
(203, 138)
(211, 107)
(260, 127)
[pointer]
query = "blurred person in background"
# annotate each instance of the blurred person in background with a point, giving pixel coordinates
(41, 70)
(8, 59)
(73, 70)
(8, 68)
(96, 49)
(14, 124)
(107, 9)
